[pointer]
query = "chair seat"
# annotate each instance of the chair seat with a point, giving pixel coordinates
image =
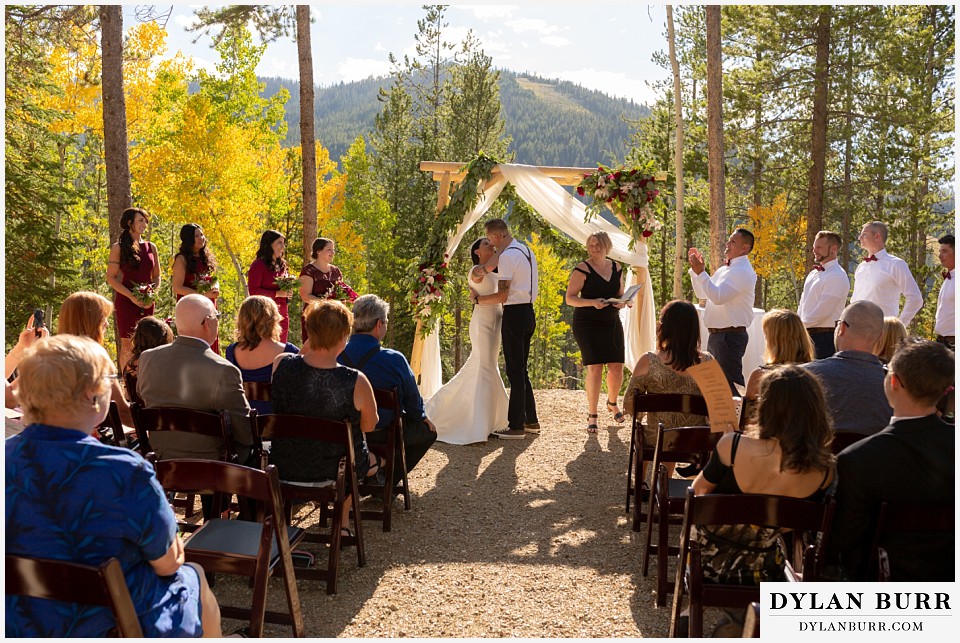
(678, 489)
(236, 537)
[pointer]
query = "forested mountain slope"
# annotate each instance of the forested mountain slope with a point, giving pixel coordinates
(551, 122)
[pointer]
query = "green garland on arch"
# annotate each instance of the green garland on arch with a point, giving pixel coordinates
(428, 277)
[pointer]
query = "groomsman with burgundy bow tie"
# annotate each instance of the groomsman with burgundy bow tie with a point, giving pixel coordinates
(946, 313)
(729, 309)
(824, 293)
(882, 278)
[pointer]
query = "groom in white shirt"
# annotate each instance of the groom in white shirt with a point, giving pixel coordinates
(824, 293)
(517, 267)
(729, 308)
(882, 277)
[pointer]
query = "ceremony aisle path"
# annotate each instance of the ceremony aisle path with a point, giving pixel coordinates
(505, 539)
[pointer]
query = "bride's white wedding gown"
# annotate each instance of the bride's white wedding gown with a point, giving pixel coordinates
(473, 404)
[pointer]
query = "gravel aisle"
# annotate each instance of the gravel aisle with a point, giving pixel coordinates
(505, 539)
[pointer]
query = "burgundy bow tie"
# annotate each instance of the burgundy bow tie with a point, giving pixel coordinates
(818, 267)
(946, 274)
(871, 258)
(727, 262)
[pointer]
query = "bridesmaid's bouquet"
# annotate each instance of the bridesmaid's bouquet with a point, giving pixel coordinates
(287, 282)
(146, 293)
(206, 283)
(340, 291)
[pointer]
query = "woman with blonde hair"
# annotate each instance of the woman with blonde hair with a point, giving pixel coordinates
(787, 342)
(596, 324)
(316, 385)
(893, 333)
(87, 314)
(73, 499)
(258, 343)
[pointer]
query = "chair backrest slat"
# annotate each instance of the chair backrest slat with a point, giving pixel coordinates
(273, 426)
(103, 586)
(669, 403)
(195, 476)
(258, 391)
(218, 425)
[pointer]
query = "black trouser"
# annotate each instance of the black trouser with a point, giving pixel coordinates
(417, 439)
(728, 350)
(519, 323)
(823, 346)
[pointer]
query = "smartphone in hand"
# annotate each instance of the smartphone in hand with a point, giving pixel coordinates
(37, 321)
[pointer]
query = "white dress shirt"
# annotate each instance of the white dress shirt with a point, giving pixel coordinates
(883, 281)
(946, 313)
(521, 273)
(729, 294)
(824, 295)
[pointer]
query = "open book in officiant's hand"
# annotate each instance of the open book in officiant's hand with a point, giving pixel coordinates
(627, 296)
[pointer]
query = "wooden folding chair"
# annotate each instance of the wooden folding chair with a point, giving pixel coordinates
(907, 519)
(681, 444)
(331, 497)
(801, 516)
(111, 429)
(388, 399)
(183, 420)
(258, 391)
(843, 439)
(57, 580)
(641, 452)
(253, 549)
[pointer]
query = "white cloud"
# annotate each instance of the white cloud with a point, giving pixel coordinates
(379, 47)
(536, 25)
(614, 83)
(185, 20)
(490, 12)
(359, 68)
(555, 41)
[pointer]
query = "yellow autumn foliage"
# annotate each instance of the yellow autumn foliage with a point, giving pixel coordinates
(779, 238)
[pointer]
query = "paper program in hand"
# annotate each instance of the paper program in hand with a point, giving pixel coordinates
(716, 391)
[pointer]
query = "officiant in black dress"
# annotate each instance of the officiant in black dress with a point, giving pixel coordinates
(596, 323)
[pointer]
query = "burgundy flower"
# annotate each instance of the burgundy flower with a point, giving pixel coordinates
(423, 280)
(617, 175)
(580, 191)
(646, 233)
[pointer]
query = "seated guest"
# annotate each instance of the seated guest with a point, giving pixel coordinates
(786, 453)
(387, 369)
(149, 332)
(678, 348)
(258, 344)
(787, 342)
(852, 379)
(73, 499)
(314, 384)
(187, 374)
(911, 462)
(11, 360)
(88, 314)
(893, 333)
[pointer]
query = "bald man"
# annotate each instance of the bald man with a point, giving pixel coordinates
(852, 379)
(188, 374)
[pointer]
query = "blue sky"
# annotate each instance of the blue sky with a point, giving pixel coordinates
(606, 46)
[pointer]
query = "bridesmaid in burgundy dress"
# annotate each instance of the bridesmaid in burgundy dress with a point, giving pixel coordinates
(193, 260)
(317, 279)
(261, 278)
(132, 261)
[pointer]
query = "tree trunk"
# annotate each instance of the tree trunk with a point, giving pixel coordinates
(818, 142)
(846, 212)
(235, 260)
(115, 154)
(308, 133)
(715, 172)
(680, 252)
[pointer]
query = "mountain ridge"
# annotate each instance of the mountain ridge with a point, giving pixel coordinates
(551, 122)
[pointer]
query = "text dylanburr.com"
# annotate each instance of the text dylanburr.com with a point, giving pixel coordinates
(920, 611)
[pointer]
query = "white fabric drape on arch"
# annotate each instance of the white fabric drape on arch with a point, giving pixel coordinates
(561, 210)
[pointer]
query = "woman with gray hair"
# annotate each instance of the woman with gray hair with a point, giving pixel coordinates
(474, 403)
(73, 499)
(596, 323)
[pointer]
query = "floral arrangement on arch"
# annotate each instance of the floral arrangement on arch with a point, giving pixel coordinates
(430, 286)
(630, 192)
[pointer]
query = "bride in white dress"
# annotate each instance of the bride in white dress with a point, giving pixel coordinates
(473, 404)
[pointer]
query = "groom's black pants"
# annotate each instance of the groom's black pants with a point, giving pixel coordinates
(519, 323)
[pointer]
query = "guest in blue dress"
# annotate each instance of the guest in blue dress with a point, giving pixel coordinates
(71, 498)
(258, 344)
